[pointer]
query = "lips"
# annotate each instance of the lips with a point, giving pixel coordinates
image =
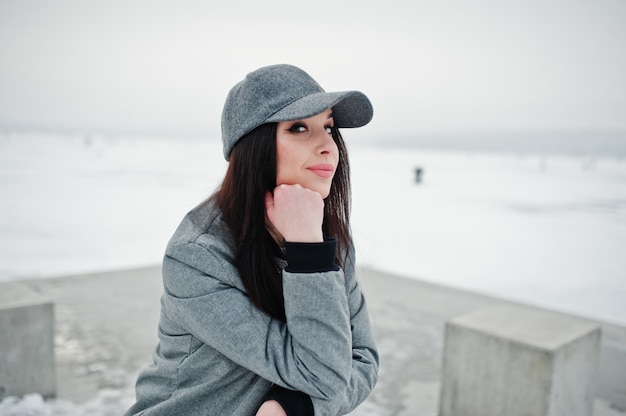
(323, 170)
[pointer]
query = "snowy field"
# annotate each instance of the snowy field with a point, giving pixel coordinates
(543, 229)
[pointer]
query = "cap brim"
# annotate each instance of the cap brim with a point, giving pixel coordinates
(350, 108)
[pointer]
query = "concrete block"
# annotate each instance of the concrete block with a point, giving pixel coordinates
(26, 342)
(515, 361)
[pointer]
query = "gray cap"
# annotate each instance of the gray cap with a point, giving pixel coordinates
(282, 93)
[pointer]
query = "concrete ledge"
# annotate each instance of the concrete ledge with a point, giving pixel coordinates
(27, 362)
(513, 360)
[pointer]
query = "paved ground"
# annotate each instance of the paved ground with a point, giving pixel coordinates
(106, 330)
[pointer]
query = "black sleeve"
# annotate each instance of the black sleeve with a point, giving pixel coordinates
(311, 257)
(294, 403)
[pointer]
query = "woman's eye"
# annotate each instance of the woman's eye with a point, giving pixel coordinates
(329, 130)
(297, 128)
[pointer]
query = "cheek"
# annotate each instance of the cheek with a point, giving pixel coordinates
(285, 162)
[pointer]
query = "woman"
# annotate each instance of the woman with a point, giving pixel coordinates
(261, 313)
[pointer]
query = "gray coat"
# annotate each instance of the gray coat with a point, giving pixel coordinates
(219, 355)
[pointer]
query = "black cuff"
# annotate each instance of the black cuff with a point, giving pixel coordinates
(294, 403)
(311, 257)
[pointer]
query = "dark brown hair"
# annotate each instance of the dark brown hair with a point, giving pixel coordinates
(241, 198)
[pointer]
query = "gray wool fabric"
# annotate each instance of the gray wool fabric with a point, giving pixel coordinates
(282, 93)
(219, 355)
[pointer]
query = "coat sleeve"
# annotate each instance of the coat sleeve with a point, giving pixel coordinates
(313, 352)
(365, 359)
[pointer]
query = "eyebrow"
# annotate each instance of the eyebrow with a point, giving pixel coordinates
(330, 115)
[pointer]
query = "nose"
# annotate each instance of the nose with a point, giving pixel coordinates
(326, 143)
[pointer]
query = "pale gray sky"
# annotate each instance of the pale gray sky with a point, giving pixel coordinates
(428, 66)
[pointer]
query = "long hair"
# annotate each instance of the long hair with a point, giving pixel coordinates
(241, 198)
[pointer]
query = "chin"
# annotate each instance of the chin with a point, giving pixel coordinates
(323, 190)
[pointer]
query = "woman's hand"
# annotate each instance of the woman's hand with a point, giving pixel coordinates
(296, 213)
(271, 408)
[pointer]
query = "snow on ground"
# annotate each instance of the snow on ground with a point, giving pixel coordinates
(106, 403)
(549, 231)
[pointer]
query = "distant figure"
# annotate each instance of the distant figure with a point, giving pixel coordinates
(418, 175)
(261, 313)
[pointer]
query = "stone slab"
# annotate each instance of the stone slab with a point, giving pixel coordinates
(517, 360)
(27, 362)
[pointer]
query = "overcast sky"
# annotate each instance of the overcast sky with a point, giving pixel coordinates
(165, 67)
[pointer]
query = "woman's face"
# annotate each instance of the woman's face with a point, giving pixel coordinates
(306, 153)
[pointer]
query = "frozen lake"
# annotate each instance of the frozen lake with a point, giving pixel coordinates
(543, 229)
